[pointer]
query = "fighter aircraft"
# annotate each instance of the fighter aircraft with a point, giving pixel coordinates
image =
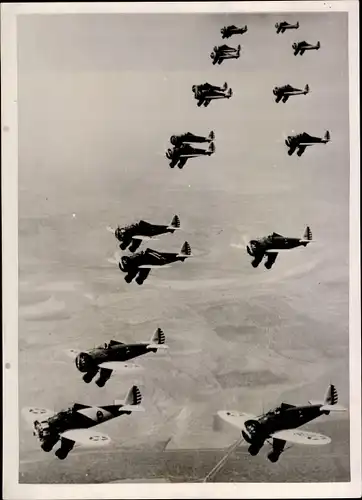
(281, 27)
(302, 141)
(132, 236)
(205, 93)
(283, 93)
(188, 137)
(179, 156)
(301, 47)
(229, 31)
(223, 52)
(141, 263)
(70, 426)
(271, 245)
(111, 356)
(280, 425)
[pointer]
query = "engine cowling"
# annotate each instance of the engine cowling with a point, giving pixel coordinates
(84, 362)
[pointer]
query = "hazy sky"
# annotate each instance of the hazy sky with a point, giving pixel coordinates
(99, 97)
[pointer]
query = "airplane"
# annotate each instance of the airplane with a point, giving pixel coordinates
(283, 93)
(188, 137)
(111, 356)
(302, 141)
(70, 426)
(281, 424)
(223, 52)
(301, 47)
(179, 156)
(206, 92)
(281, 27)
(141, 263)
(271, 245)
(132, 236)
(229, 31)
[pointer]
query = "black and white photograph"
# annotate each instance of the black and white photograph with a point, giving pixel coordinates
(181, 250)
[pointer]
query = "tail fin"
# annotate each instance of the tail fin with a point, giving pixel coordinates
(308, 234)
(211, 147)
(185, 250)
(211, 135)
(318, 44)
(225, 86)
(297, 25)
(175, 223)
(157, 341)
(306, 89)
(158, 337)
(330, 402)
(331, 395)
(327, 136)
(133, 398)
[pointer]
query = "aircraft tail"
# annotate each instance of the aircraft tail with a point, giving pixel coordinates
(211, 148)
(175, 223)
(132, 401)
(185, 250)
(297, 25)
(308, 236)
(318, 45)
(157, 341)
(211, 135)
(306, 89)
(330, 402)
(327, 136)
(225, 86)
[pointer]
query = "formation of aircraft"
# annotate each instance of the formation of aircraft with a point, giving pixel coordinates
(139, 265)
(271, 245)
(281, 424)
(71, 427)
(283, 93)
(283, 26)
(222, 52)
(205, 93)
(132, 236)
(300, 142)
(301, 47)
(229, 31)
(113, 356)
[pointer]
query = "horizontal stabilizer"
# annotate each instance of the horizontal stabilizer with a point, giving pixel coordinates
(153, 266)
(157, 346)
(173, 227)
(118, 366)
(110, 229)
(183, 255)
(132, 408)
(306, 241)
(333, 408)
(86, 437)
(315, 403)
(301, 437)
(144, 238)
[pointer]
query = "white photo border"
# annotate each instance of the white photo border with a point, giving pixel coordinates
(9, 195)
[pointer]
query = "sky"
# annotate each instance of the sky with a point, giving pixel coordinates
(99, 96)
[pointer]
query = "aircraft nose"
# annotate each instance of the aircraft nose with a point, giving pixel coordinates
(81, 362)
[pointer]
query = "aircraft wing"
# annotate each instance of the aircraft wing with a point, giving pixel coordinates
(143, 238)
(301, 437)
(30, 414)
(152, 266)
(271, 250)
(188, 156)
(86, 437)
(118, 366)
(236, 418)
